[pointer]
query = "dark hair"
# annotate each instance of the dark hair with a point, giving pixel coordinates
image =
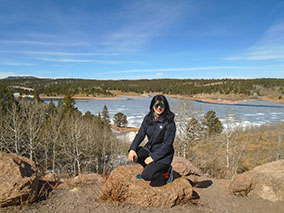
(169, 115)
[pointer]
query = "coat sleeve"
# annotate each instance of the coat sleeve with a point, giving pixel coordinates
(167, 144)
(139, 136)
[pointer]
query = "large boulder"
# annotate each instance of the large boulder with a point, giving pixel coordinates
(18, 179)
(185, 167)
(122, 185)
(265, 181)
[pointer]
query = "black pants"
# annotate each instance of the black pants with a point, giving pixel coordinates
(152, 170)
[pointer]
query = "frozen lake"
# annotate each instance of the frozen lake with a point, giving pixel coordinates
(135, 108)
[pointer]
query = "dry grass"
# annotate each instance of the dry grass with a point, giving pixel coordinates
(114, 191)
(248, 149)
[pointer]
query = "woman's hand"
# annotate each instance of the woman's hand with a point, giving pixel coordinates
(131, 155)
(148, 160)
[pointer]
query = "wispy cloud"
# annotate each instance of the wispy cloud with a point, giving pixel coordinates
(16, 64)
(145, 20)
(41, 43)
(233, 58)
(6, 74)
(269, 47)
(185, 69)
(132, 77)
(66, 60)
(70, 60)
(60, 53)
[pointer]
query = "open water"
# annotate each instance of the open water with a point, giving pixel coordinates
(246, 113)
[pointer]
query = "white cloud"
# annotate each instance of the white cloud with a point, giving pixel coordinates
(70, 60)
(184, 69)
(6, 74)
(132, 77)
(233, 58)
(142, 21)
(67, 60)
(159, 74)
(16, 64)
(41, 43)
(269, 47)
(60, 53)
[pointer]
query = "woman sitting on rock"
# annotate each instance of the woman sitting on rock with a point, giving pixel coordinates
(156, 156)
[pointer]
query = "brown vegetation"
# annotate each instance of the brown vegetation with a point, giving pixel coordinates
(225, 155)
(124, 129)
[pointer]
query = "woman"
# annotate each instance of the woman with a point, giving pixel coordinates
(156, 156)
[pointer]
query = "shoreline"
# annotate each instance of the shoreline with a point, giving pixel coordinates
(202, 99)
(85, 97)
(207, 100)
(226, 101)
(273, 100)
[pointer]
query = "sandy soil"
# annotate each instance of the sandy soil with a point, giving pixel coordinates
(210, 195)
(209, 100)
(273, 100)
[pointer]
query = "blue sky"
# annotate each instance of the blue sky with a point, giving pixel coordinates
(142, 39)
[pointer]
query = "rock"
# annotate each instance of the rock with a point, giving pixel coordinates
(241, 184)
(18, 179)
(122, 185)
(185, 167)
(265, 181)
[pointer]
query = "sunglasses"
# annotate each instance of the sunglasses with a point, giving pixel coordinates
(161, 105)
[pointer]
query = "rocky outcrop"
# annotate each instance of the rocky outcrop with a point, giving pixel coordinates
(265, 181)
(18, 179)
(185, 167)
(122, 185)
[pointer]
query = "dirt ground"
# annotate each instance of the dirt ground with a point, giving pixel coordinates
(210, 195)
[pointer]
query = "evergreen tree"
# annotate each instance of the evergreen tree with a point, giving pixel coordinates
(120, 119)
(105, 115)
(69, 104)
(60, 105)
(51, 107)
(212, 123)
(88, 115)
(36, 97)
(6, 99)
(194, 130)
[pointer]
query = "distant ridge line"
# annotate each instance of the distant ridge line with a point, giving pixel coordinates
(19, 77)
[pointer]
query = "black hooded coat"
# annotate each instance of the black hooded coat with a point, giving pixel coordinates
(161, 134)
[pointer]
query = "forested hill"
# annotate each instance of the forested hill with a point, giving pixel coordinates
(189, 87)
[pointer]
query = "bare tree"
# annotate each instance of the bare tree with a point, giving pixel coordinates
(15, 130)
(52, 134)
(183, 114)
(34, 115)
(189, 129)
(92, 133)
(73, 143)
(280, 138)
(234, 148)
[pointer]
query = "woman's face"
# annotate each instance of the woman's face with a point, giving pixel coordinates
(159, 108)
